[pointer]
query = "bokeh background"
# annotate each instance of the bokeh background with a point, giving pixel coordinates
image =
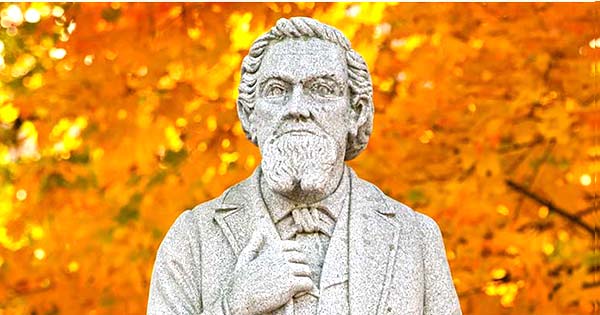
(114, 118)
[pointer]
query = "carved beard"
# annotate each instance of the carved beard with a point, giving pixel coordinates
(302, 162)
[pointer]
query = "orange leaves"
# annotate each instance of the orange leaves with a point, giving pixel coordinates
(114, 118)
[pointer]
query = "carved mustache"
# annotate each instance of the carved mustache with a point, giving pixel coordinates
(298, 128)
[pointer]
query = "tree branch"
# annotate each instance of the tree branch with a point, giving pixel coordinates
(586, 211)
(562, 212)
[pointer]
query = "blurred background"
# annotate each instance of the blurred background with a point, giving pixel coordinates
(115, 118)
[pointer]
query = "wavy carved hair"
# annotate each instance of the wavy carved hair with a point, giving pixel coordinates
(359, 79)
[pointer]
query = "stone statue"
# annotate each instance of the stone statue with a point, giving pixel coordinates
(303, 234)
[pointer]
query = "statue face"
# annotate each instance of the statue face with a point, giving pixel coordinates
(302, 114)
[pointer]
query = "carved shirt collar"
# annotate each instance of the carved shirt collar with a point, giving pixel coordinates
(280, 206)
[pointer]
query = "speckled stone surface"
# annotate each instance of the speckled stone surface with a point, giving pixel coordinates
(303, 235)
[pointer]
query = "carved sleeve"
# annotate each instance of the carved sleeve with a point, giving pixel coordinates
(175, 288)
(440, 294)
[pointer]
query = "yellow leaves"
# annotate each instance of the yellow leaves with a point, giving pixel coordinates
(585, 179)
(8, 113)
(39, 253)
(543, 212)
(175, 11)
(181, 122)
(6, 207)
(476, 43)
(97, 154)
(250, 162)
(21, 194)
(498, 273)
(32, 15)
(472, 107)
(172, 136)
(512, 250)
(386, 85)
(23, 65)
(503, 210)
(209, 174)
(506, 291)
(37, 232)
(241, 37)
(66, 135)
(88, 59)
(73, 267)
(366, 13)
(563, 236)
(11, 16)
(194, 33)
(211, 123)
(34, 82)
(548, 248)
(176, 70)
(237, 129)
(57, 53)
(426, 136)
(229, 158)
(6, 157)
(9, 242)
(192, 106)
(225, 143)
(405, 46)
(166, 82)
(202, 146)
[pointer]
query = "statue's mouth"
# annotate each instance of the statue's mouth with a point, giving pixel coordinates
(298, 132)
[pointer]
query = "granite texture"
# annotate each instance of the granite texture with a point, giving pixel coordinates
(303, 235)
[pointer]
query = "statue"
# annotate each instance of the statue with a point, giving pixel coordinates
(303, 234)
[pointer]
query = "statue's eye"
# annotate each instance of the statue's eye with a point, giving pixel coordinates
(275, 90)
(324, 88)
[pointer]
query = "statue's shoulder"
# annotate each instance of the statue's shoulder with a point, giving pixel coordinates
(425, 225)
(420, 222)
(391, 205)
(231, 197)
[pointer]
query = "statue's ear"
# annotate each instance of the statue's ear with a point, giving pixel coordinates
(359, 114)
(246, 119)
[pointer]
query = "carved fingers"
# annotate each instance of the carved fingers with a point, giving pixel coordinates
(300, 270)
(298, 266)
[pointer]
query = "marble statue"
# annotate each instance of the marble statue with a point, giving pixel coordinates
(303, 234)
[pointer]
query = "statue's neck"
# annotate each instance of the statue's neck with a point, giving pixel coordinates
(299, 197)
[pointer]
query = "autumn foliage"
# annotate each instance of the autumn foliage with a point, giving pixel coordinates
(114, 118)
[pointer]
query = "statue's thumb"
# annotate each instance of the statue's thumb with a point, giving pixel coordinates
(252, 249)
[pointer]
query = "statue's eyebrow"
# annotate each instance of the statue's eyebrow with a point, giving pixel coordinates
(276, 75)
(329, 76)
(288, 78)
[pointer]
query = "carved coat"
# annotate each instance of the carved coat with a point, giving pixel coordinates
(396, 260)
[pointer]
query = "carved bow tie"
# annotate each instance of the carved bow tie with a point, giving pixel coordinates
(307, 220)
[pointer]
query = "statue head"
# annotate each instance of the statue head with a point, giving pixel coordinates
(305, 98)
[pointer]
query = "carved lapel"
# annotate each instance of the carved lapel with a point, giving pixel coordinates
(374, 235)
(241, 212)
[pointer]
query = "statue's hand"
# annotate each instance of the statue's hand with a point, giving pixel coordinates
(267, 275)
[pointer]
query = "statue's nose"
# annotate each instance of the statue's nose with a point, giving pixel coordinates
(297, 106)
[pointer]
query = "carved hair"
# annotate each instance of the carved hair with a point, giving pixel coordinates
(359, 79)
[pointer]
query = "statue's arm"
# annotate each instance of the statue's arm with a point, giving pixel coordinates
(175, 288)
(440, 294)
